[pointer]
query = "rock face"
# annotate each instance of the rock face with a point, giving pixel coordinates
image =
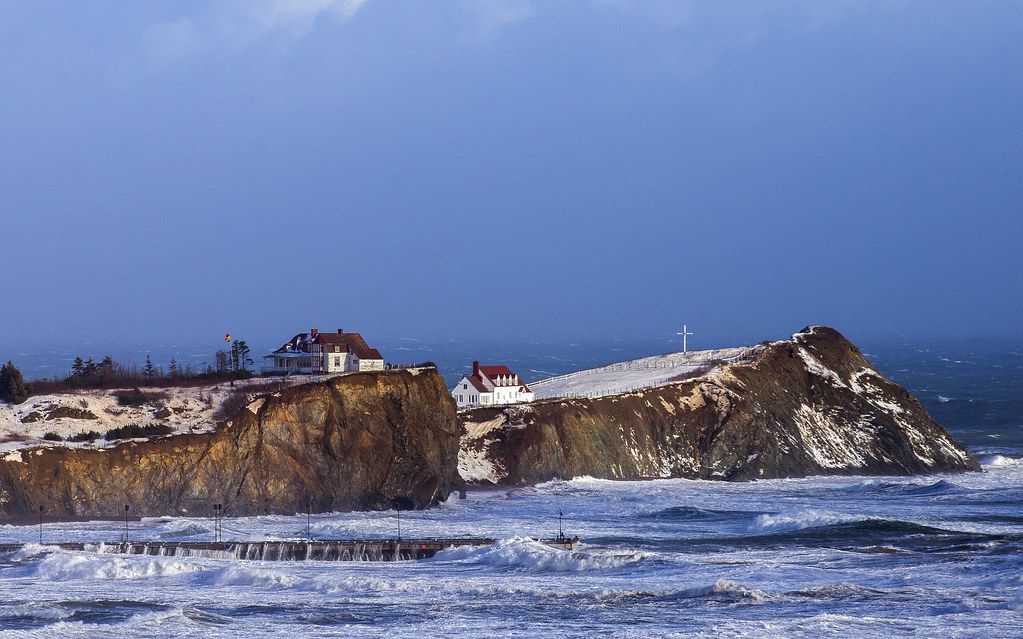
(812, 405)
(362, 441)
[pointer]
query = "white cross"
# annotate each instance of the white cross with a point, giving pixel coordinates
(683, 334)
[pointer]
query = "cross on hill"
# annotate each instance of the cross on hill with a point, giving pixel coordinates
(684, 333)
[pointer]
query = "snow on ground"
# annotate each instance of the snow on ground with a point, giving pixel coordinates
(636, 374)
(187, 409)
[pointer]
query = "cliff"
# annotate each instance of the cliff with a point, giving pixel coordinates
(361, 441)
(812, 405)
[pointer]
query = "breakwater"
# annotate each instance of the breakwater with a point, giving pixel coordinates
(321, 550)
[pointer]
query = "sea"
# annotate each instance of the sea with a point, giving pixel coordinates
(927, 556)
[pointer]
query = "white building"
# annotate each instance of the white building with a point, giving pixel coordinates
(316, 353)
(490, 385)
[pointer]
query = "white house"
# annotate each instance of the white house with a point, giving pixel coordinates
(490, 385)
(316, 353)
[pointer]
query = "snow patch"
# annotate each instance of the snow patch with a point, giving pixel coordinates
(633, 375)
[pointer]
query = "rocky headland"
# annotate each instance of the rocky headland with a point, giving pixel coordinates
(812, 405)
(355, 442)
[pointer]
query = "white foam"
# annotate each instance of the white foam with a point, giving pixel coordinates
(798, 521)
(68, 566)
(531, 555)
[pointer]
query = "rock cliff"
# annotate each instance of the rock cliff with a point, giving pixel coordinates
(812, 405)
(361, 441)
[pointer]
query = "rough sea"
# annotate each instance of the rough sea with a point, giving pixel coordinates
(933, 556)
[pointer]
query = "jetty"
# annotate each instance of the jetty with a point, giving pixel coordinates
(319, 550)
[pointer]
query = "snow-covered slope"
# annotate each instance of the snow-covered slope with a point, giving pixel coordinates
(639, 373)
(189, 409)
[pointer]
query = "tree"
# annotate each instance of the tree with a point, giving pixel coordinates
(175, 369)
(148, 372)
(12, 384)
(222, 361)
(240, 360)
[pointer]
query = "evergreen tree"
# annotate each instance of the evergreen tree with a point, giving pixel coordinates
(175, 369)
(148, 372)
(12, 384)
(240, 360)
(78, 368)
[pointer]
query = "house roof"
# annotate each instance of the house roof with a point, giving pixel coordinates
(496, 371)
(351, 341)
(360, 348)
(477, 383)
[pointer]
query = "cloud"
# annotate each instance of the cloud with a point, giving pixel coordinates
(240, 23)
(486, 18)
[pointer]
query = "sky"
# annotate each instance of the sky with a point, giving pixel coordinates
(509, 169)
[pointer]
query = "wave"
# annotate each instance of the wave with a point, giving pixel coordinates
(722, 590)
(532, 556)
(192, 530)
(690, 513)
(768, 523)
(1002, 461)
(69, 566)
(875, 487)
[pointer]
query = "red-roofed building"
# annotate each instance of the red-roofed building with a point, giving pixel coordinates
(490, 385)
(316, 353)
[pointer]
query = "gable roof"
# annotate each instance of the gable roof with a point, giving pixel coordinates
(350, 341)
(360, 348)
(477, 383)
(496, 371)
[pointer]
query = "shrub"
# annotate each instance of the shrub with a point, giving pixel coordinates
(131, 431)
(53, 437)
(136, 397)
(88, 436)
(236, 400)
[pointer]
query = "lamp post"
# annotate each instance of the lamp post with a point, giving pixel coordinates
(218, 510)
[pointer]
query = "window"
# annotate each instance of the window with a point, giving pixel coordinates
(465, 386)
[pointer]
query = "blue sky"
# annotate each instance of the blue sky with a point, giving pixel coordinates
(538, 170)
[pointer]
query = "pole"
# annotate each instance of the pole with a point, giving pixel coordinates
(308, 520)
(561, 533)
(126, 523)
(40, 525)
(398, 508)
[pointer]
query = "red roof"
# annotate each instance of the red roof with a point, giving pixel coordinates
(496, 371)
(478, 384)
(350, 341)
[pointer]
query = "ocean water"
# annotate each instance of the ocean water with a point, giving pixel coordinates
(932, 556)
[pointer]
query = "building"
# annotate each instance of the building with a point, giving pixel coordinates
(490, 385)
(316, 353)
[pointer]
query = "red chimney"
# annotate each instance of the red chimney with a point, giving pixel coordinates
(476, 369)
(313, 332)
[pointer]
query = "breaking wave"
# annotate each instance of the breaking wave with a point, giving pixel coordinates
(67, 566)
(533, 556)
(778, 523)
